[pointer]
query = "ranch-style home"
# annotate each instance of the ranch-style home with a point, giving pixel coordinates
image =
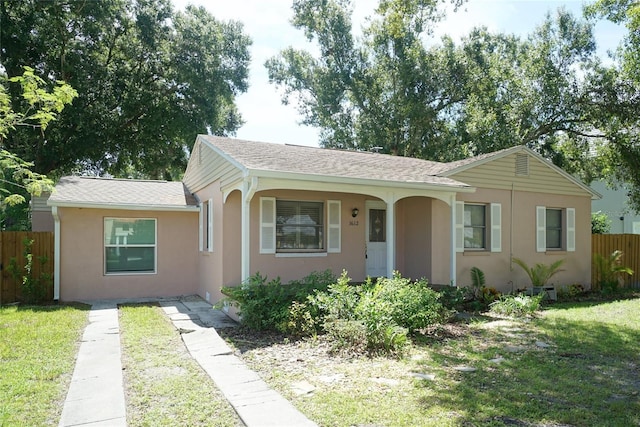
(246, 207)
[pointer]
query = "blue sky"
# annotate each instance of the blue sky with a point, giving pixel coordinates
(267, 23)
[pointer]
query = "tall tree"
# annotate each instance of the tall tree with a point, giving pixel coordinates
(399, 89)
(41, 107)
(148, 78)
(617, 90)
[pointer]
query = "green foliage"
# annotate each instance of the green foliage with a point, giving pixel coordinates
(540, 273)
(265, 304)
(134, 64)
(517, 305)
(609, 271)
(453, 298)
(40, 108)
(600, 223)
(571, 292)
(33, 288)
(397, 87)
(376, 316)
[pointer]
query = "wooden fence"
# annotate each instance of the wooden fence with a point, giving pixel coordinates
(629, 244)
(12, 246)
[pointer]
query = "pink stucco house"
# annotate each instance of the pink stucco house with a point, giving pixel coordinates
(245, 207)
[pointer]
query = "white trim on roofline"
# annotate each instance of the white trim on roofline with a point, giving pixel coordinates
(123, 206)
(222, 154)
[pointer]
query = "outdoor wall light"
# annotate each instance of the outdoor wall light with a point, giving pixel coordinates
(354, 212)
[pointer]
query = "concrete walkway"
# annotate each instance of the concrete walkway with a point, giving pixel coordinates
(250, 396)
(96, 394)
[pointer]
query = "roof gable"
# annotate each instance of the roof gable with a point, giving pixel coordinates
(499, 169)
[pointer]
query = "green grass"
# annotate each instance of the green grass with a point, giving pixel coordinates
(38, 346)
(588, 376)
(164, 385)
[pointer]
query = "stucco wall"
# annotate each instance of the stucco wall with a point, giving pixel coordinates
(519, 240)
(414, 230)
(82, 256)
(351, 257)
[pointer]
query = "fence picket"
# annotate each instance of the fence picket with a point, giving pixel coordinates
(12, 246)
(629, 244)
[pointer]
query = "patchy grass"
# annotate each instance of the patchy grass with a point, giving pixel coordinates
(574, 365)
(164, 385)
(38, 346)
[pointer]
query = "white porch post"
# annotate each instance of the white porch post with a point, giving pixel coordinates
(453, 253)
(391, 236)
(248, 190)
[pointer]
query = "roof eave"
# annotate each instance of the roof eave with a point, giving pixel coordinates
(123, 206)
(259, 173)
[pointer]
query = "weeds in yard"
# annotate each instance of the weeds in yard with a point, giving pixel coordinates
(164, 385)
(38, 346)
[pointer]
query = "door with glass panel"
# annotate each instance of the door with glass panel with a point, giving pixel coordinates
(376, 239)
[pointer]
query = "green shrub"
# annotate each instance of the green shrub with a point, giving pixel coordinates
(609, 271)
(453, 298)
(381, 313)
(265, 304)
(517, 305)
(600, 223)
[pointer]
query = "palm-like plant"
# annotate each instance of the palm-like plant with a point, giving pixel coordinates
(609, 269)
(540, 273)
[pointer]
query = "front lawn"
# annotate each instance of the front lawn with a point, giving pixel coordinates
(164, 385)
(573, 365)
(38, 346)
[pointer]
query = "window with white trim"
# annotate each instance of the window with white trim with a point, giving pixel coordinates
(478, 227)
(555, 229)
(206, 226)
(130, 245)
(294, 226)
(299, 226)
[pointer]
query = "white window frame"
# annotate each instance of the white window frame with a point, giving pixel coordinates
(205, 235)
(492, 227)
(331, 228)
(155, 247)
(568, 230)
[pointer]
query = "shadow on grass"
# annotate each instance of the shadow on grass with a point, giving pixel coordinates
(49, 307)
(590, 376)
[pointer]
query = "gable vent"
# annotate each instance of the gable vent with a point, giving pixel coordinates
(522, 165)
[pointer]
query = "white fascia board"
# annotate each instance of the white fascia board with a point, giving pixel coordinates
(126, 207)
(362, 181)
(224, 155)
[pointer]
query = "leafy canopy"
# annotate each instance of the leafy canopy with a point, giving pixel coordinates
(148, 80)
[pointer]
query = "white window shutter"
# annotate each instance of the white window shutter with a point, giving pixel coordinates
(210, 225)
(267, 225)
(200, 228)
(334, 228)
(459, 226)
(496, 227)
(541, 229)
(571, 229)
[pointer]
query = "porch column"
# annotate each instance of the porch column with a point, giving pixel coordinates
(391, 236)
(453, 253)
(248, 190)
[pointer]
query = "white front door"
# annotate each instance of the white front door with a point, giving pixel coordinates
(376, 239)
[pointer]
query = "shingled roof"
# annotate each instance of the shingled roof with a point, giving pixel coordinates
(80, 191)
(324, 162)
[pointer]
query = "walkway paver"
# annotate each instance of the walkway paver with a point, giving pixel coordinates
(95, 396)
(254, 401)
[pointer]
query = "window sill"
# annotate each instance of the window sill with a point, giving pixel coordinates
(555, 252)
(300, 254)
(132, 273)
(476, 253)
